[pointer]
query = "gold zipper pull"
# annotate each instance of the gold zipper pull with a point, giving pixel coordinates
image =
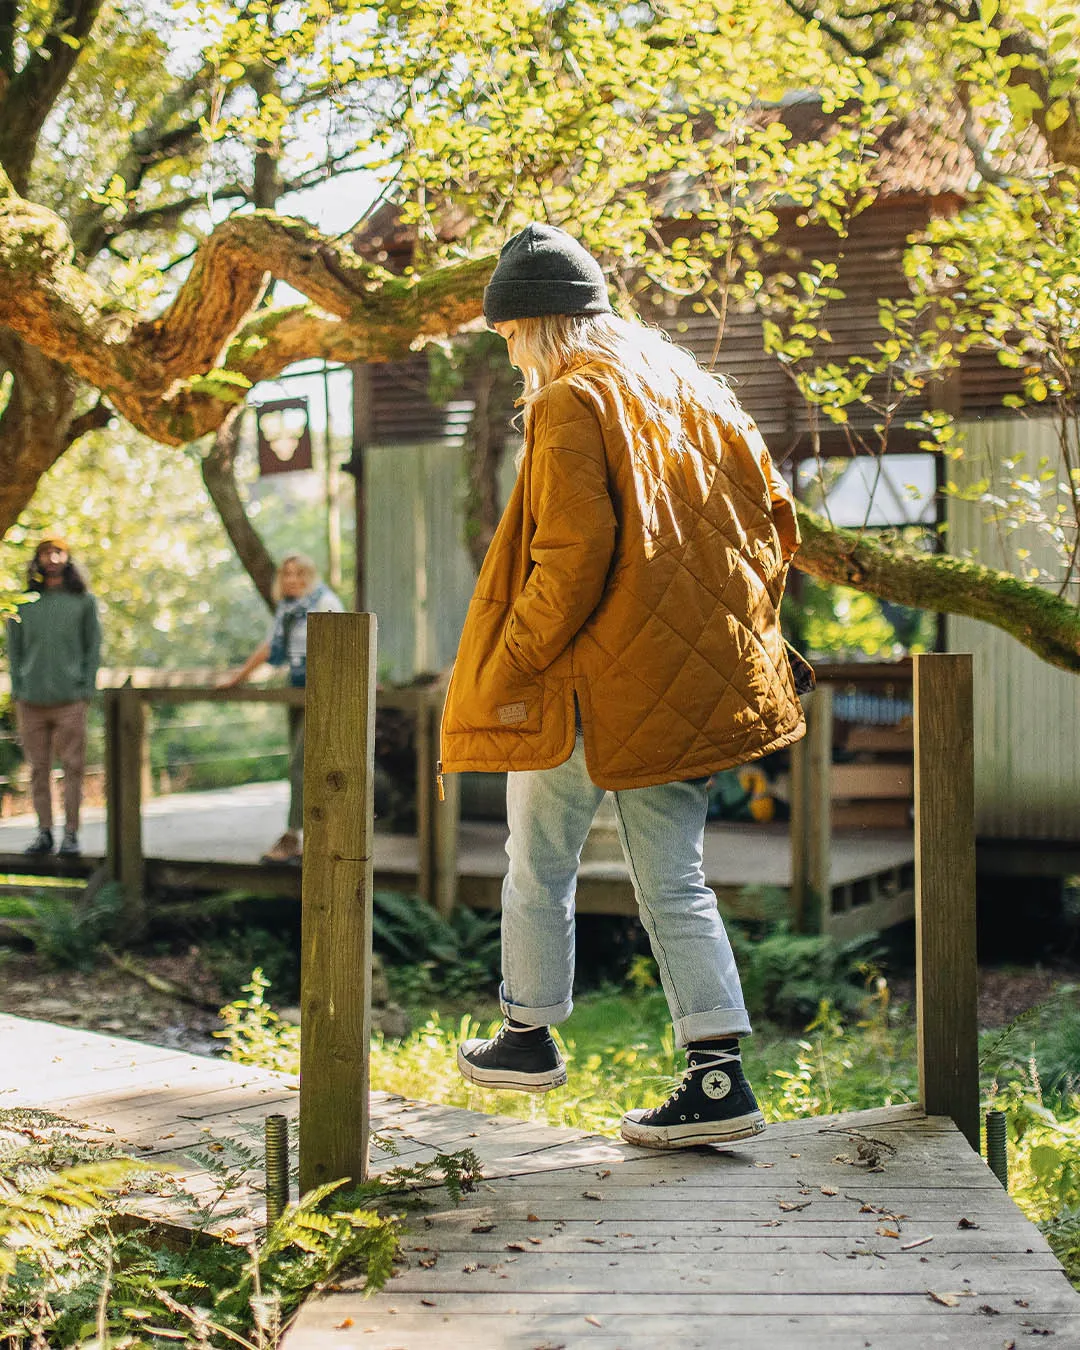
(439, 781)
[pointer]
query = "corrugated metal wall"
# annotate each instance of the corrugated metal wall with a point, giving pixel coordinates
(418, 573)
(420, 576)
(1027, 713)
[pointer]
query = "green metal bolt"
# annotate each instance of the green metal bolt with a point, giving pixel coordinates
(997, 1155)
(277, 1167)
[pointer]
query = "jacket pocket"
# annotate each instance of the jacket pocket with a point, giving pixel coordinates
(488, 691)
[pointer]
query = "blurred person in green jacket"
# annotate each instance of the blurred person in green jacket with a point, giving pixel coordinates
(53, 648)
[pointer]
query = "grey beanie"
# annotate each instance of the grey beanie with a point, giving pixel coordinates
(544, 270)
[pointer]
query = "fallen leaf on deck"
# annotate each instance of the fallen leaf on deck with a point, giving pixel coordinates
(429, 1303)
(536, 1241)
(605, 1173)
(990, 1312)
(770, 1223)
(483, 1228)
(515, 1247)
(882, 1231)
(597, 1242)
(788, 1205)
(592, 1195)
(343, 1324)
(593, 1321)
(829, 1190)
(764, 1164)
(966, 1223)
(428, 1262)
(946, 1300)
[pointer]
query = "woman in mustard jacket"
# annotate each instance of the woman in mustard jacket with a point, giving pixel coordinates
(623, 636)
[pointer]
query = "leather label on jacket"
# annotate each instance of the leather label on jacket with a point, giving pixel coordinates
(509, 713)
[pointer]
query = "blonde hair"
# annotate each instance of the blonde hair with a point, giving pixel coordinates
(661, 377)
(304, 565)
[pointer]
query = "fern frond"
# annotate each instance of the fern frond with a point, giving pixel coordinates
(87, 1186)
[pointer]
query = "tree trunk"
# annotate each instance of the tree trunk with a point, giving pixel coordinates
(219, 475)
(484, 451)
(36, 426)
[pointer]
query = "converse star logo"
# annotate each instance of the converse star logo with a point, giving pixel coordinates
(716, 1084)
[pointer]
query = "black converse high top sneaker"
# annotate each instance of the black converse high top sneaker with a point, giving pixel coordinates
(714, 1104)
(524, 1059)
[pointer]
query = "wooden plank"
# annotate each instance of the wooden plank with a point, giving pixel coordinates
(425, 805)
(125, 727)
(659, 1272)
(799, 791)
(872, 815)
(881, 913)
(524, 1329)
(738, 1241)
(335, 964)
(819, 810)
(446, 818)
(898, 739)
(871, 780)
(946, 967)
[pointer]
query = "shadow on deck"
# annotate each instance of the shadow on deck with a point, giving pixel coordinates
(876, 1228)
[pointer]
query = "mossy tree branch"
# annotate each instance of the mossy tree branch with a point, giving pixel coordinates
(1041, 620)
(169, 376)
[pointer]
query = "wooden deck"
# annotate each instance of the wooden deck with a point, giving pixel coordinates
(879, 1228)
(213, 839)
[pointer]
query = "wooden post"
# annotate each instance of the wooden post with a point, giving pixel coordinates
(819, 852)
(426, 803)
(125, 718)
(335, 948)
(946, 968)
(445, 818)
(811, 815)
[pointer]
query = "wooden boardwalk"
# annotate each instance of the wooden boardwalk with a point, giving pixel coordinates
(874, 1229)
(220, 834)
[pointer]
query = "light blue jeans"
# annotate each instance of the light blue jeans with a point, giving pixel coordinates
(661, 830)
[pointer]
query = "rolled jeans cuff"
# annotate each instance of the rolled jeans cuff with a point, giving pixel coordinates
(717, 1022)
(535, 1017)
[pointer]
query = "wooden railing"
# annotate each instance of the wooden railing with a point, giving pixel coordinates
(126, 760)
(337, 899)
(810, 783)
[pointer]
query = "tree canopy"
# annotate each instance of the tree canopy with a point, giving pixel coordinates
(140, 154)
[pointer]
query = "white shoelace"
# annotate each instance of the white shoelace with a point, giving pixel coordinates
(723, 1057)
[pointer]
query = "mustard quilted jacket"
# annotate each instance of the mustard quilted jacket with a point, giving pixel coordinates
(640, 569)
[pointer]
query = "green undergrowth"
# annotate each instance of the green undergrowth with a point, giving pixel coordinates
(621, 1054)
(77, 1270)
